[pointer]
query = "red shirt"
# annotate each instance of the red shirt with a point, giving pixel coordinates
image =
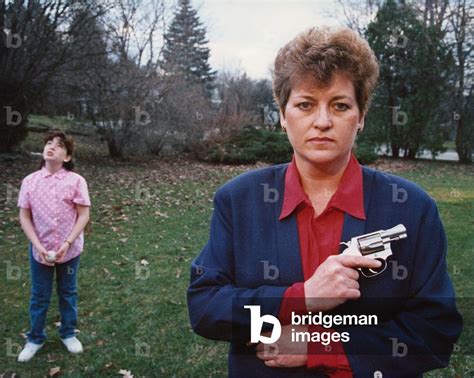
(319, 238)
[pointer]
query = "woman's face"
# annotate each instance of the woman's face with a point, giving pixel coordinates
(321, 122)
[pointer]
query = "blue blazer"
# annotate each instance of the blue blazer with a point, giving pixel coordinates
(414, 297)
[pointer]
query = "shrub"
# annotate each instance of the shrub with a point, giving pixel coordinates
(251, 145)
(365, 152)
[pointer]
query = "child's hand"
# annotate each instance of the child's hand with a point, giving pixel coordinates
(43, 255)
(62, 252)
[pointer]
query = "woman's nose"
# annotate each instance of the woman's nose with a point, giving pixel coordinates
(322, 118)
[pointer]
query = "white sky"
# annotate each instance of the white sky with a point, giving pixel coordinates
(245, 35)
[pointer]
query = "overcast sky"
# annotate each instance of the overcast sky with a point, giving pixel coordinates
(246, 34)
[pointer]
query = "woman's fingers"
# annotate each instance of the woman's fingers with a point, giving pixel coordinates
(359, 262)
(351, 273)
(267, 352)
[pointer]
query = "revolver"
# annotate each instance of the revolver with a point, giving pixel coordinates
(375, 245)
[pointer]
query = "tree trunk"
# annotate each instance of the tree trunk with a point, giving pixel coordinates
(13, 116)
(411, 153)
(462, 146)
(115, 150)
(395, 150)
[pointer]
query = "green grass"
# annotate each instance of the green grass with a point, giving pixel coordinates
(159, 211)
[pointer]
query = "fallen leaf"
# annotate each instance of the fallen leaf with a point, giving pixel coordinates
(125, 373)
(144, 262)
(54, 371)
(178, 272)
(160, 214)
(124, 240)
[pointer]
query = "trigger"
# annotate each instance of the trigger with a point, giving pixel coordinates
(382, 267)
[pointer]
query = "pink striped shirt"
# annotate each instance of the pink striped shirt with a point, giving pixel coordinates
(52, 200)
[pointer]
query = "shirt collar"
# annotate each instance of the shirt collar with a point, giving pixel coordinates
(59, 174)
(349, 196)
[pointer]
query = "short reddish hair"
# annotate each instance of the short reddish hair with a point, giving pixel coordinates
(319, 52)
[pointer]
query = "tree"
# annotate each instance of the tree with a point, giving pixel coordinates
(125, 90)
(407, 102)
(185, 50)
(34, 46)
(358, 14)
(461, 33)
(242, 102)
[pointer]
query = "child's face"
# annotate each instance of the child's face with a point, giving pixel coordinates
(55, 151)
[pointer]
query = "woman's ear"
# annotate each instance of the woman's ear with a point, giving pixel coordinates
(68, 159)
(360, 125)
(282, 120)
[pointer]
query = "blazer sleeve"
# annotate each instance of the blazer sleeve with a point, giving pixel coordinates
(421, 336)
(215, 301)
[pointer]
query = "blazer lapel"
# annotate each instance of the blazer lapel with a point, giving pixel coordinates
(354, 226)
(288, 244)
(287, 229)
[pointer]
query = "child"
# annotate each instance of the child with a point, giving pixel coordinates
(54, 209)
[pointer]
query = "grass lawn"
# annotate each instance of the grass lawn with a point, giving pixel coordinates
(150, 219)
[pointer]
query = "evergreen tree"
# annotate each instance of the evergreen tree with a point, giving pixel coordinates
(185, 52)
(413, 60)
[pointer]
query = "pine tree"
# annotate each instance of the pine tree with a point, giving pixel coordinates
(185, 51)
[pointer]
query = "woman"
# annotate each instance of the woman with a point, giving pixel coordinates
(275, 236)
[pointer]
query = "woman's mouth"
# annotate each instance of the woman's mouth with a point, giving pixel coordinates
(318, 140)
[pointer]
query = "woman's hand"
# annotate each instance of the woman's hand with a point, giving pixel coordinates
(62, 252)
(284, 352)
(335, 281)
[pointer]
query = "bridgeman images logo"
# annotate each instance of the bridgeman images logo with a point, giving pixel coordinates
(326, 321)
(256, 325)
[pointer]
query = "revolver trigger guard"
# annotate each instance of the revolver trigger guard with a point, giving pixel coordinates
(369, 272)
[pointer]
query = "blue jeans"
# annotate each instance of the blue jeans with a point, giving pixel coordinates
(41, 289)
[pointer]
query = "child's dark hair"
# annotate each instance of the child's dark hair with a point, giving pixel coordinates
(68, 145)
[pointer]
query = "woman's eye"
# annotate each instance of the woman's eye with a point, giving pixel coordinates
(341, 106)
(304, 105)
